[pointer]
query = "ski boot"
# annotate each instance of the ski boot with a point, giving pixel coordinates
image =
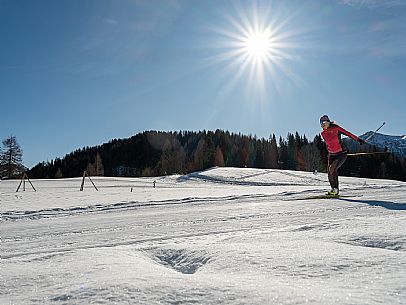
(333, 192)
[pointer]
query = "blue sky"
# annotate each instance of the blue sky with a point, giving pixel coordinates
(80, 73)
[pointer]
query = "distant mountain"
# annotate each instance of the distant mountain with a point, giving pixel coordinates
(395, 144)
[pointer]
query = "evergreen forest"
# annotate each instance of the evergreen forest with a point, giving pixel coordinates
(156, 153)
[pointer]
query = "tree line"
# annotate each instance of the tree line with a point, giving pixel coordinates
(155, 153)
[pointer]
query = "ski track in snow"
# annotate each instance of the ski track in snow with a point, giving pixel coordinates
(221, 236)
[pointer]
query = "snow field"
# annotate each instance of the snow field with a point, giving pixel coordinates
(222, 236)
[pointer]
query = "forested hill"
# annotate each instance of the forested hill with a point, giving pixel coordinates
(154, 153)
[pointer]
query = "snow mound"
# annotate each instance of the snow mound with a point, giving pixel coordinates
(250, 177)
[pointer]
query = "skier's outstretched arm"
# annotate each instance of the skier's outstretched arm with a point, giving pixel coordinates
(349, 134)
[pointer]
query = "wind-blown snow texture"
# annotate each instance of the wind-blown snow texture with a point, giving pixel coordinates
(222, 236)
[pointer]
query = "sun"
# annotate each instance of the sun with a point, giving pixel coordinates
(258, 45)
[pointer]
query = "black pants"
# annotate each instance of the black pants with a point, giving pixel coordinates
(334, 163)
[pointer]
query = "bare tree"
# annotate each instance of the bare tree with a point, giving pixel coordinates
(95, 168)
(11, 158)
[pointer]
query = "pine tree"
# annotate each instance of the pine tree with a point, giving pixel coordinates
(283, 154)
(273, 151)
(259, 161)
(11, 158)
(292, 152)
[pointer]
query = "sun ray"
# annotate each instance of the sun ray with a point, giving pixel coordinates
(258, 43)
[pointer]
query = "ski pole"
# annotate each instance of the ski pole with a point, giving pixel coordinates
(375, 132)
(369, 153)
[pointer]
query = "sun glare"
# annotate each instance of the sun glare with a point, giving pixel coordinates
(256, 44)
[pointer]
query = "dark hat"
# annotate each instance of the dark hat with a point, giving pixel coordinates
(324, 118)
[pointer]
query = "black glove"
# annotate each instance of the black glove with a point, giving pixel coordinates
(361, 141)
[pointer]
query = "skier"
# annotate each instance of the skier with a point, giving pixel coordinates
(337, 154)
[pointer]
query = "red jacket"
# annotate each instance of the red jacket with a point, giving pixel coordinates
(332, 137)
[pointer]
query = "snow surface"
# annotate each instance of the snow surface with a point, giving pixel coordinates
(222, 236)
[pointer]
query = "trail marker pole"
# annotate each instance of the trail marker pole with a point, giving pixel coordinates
(83, 181)
(25, 176)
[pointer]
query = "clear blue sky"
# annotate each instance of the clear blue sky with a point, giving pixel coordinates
(79, 73)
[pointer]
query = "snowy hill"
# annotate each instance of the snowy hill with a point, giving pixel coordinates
(221, 236)
(395, 144)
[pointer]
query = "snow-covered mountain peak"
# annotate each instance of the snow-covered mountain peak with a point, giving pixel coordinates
(395, 144)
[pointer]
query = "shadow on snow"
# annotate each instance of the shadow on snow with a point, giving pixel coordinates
(390, 205)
